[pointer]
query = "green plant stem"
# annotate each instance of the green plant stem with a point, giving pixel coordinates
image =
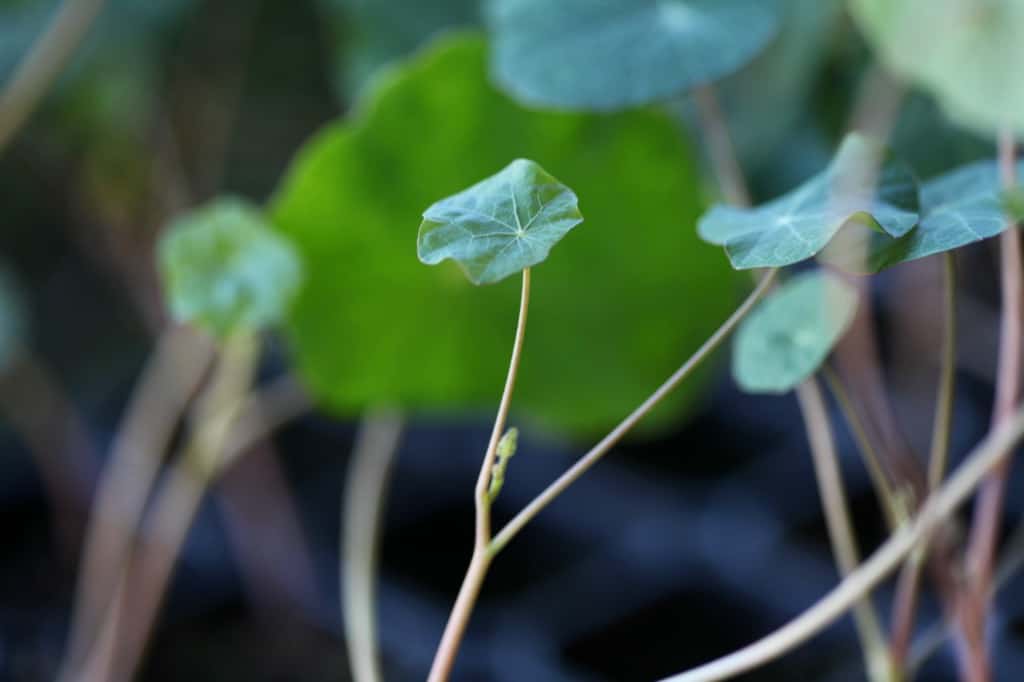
(143, 585)
(595, 454)
(172, 374)
(44, 62)
(366, 488)
(840, 528)
(448, 649)
(985, 527)
(909, 583)
(938, 507)
(889, 501)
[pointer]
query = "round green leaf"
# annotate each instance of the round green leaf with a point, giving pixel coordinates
(791, 333)
(800, 224)
(613, 54)
(226, 270)
(501, 225)
(614, 310)
(967, 52)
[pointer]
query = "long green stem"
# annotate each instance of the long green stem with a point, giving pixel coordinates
(595, 454)
(889, 500)
(366, 489)
(840, 528)
(448, 649)
(936, 510)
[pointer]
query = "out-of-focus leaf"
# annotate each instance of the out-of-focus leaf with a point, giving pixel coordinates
(613, 311)
(225, 269)
(368, 34)
(787, 338)
(800, 224)
(581, 54)
(501, 225)
(968, 52)
(766, 103)
(959, 208)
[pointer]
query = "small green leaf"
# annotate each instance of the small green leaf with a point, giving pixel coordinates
(959, 208)
(614, 54)
(800, 224)
(967, 52)
(791, 333)
(501, 225)
(225, 269)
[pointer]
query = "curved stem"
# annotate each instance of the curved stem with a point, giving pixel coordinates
(44, 62)
(909, 583)
(942, 425)
(840, 527)
(172, 374)
(366, 488)
(985, 527)
(143, 585)
(937, 508)
(888, 499)
(595, 454)
(447, 650)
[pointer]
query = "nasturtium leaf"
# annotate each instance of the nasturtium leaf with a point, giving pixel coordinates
(791, 333)
(967, 52)
(500, 225)
(613, 311)
(225, 269)
(959, 208)
(614, 54)
(800, 224)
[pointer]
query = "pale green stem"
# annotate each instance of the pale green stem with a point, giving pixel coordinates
(366, 487)
(936, 510)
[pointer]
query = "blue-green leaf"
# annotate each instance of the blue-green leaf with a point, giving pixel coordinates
(791, 333)
(501, 225)
(959, 208)
(612, 54)
(225, 269)
(800, 224)
(967, 52)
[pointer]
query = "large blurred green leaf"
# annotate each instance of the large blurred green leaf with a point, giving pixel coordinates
(614, 309)
(798, 225)
(13, 320)
(791, 333)
(968, 52)
(613, 54)
(501, 225)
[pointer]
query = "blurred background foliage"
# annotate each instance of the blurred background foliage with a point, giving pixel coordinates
(347, 118)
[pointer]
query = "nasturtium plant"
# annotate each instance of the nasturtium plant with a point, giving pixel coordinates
(501, 225)
(791, 333)
(959, 208)
(373, 326)
(856, 187)
(225, 269)
(966, 52)
(614, 54)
